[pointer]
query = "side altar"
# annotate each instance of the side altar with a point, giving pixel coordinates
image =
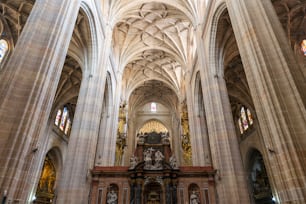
(153, 177)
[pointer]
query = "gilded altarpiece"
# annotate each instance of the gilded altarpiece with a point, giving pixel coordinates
(45, 189)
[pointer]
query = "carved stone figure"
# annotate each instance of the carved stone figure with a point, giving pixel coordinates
(173, 162)
(141, 138)
(133, 162)
(158, 159)
(112, 197)
(148, 158)
(165, 137)
(194, 198)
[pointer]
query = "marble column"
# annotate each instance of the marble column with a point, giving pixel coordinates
(27, 87)
(270, 67)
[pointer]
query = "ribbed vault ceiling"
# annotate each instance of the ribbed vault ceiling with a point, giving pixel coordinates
(153, 90)
(15, 13)
(153, 43)
(292, 15)
(154, 64)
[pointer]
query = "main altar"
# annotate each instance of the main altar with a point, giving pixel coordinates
(153, 177)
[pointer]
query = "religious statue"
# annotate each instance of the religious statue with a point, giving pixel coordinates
(112, 197)
(141, 138)
(165, 137)
(158, 159)
(173, 162)
(133, 162)
(148, 158)
(194, 198)
(120, 144)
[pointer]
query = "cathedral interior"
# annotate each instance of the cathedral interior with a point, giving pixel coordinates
(153, 102)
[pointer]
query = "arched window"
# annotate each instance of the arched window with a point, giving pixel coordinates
(245, 120)
(303, 47)
(3, 49)
(63, 121)
(153, 107)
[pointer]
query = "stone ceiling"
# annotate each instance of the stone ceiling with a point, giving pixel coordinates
(154, 43)
(153, 90)
(234, 75)
(15, 13)
(69, 85)
(292, 15)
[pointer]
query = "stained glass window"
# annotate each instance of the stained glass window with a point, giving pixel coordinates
(3, 49)
(58, 117)
(64, 118)
(245, 120)
(68, 125)
(63, 121)
(250, 117)
(153, 107)
(240, 126)
(303, 47)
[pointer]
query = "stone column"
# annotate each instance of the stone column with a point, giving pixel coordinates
(231, 179)
(105, 154)
(27, 88)
(269, 65)
(196, 140)
(198, 127)
(76, 177)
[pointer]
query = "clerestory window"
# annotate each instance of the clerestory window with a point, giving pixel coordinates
(3, 49)
(153, 107)
(63, 121)
(245, 120)
(303, 47)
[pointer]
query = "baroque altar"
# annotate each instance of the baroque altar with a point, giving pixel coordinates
(153, 177)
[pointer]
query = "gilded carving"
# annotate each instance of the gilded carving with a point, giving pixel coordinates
(46, 185)
(186, 144)
(121, 134)
(48, 176)
(153, 125)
